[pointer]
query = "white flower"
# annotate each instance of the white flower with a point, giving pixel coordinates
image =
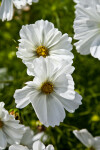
(87, 28)
(18, 147)
(4, 77)
(87, 139)
(10, 130)
(86, 3)
(40, 136)
(38, 145)
(42, 39)
(6, 8)
(51, 90)
(76, 1)
(27, 139)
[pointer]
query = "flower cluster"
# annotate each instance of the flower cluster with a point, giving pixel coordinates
(48, 57)
(38, 145)
(15, 134)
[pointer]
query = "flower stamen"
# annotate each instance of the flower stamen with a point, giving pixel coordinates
(47, 88)
(1, 124)
(42, 51)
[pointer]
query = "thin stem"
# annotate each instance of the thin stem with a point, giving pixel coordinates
(8, 81)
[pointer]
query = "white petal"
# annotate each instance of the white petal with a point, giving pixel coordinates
(3, 141)
(37, 101)
(70, 105)
(35, 1)
(4, 115)
(95, 48)
(40, 72)
(6, 10)
(13, 134)
(1, 107)
(61, 84)
(27, 139)
(83, 46)
(2, 104)
(27, 33)
(69, 93)
(49, 147)
(19, 3)
(85, 137)
(46, 70)
(18, 147)
(63, 43)
(55, 111)
(38, 145)
(76, 1)
(52, 112)
(40, 136)
(97, 143)
(22, 97)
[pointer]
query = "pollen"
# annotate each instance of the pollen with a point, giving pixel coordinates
(47, 88)
(42, 51)
(1, 124)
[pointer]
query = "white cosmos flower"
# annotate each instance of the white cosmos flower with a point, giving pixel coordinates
(41, 136)
(76, 1)
(27, 139)
(87, 28)
(42, 39)
(10, 130)
(6, 8)
(4, 77)
(87, 3)
(93, 143)
(38, 145)
(51, 90)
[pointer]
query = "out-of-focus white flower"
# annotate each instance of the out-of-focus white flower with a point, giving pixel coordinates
(87, 3)
(87, 27)
(42, 39)
(40, 136)
(27, 139)
(38, 145)
(76, 1)
(4, 77)
(93, 143)
(6, 8)
(51, 90)
(11, 131)
(18, 147)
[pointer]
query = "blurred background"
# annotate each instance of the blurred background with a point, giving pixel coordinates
(86, 75)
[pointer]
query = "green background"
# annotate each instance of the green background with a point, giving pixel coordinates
(86, 75)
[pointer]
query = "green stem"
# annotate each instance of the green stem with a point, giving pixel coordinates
(6, 81)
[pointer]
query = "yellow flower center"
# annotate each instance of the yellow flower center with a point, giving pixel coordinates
(1, 124)
(42, 51)
(47, 88)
